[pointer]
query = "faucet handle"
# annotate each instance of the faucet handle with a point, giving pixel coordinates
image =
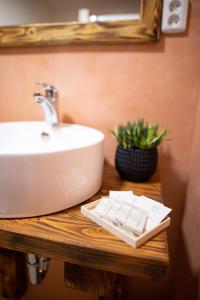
(50, 90)
(46, 86)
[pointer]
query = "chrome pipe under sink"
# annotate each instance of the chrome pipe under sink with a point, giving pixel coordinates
(37, 268)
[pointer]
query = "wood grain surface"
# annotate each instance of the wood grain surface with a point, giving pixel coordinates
(70, 236)
(144, 30)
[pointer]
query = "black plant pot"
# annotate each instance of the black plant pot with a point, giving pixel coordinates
(135, 164)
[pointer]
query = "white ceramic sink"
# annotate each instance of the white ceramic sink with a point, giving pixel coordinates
(41, 174)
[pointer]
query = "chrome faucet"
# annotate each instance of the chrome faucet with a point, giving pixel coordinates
(48, 102)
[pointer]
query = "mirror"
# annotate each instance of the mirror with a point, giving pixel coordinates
(50, 22)
(18, 12)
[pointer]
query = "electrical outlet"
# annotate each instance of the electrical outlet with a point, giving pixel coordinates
(174, 16)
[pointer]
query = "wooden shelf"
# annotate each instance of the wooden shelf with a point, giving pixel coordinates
(70, 236)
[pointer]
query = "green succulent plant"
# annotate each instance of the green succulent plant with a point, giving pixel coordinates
(139, 135)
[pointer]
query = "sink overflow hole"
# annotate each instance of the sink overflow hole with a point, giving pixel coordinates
(45, 135)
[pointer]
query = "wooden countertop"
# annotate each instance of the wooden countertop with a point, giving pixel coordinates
(70, 236)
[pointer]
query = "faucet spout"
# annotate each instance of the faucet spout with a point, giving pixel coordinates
(49, 110)
(48, 102)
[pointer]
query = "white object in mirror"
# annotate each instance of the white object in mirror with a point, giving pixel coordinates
(84, 15)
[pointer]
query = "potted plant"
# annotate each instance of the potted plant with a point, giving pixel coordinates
(136, 154)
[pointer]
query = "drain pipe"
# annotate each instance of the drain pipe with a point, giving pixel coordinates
(37, 268)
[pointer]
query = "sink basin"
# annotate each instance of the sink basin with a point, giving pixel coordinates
(45, 169)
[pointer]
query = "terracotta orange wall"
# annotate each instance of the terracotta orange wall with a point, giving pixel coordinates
(103, 86)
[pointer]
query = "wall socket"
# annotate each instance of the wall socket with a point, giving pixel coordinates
(174, 16)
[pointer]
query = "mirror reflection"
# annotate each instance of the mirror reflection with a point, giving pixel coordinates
(16, 12)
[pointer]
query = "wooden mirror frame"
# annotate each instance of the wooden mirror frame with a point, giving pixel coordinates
(146, 29)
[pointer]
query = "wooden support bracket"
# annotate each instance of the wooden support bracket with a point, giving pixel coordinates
(106, 285)
(12, 274)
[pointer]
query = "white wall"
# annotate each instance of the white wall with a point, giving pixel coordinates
(68, 10)
(13, 12)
